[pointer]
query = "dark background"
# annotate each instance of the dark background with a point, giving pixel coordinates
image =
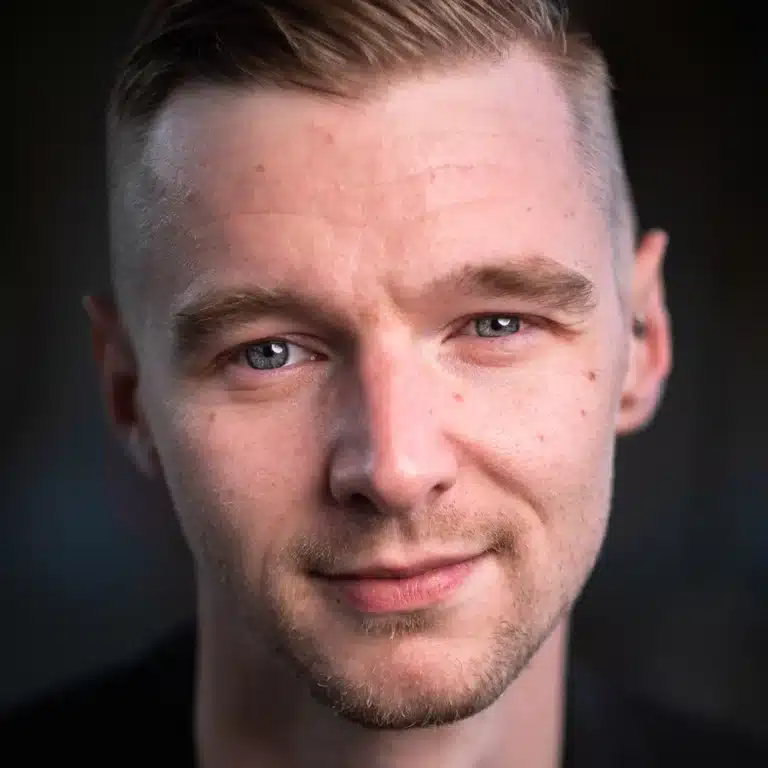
(678, 605)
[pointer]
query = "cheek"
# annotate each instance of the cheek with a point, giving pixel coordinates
(557, 419)
(242, 472)
(560, 447)
(549, 436)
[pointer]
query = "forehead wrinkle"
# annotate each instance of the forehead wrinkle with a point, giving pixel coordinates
(416, 196)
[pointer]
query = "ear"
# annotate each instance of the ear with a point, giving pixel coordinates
(650, 358)
(119, 376)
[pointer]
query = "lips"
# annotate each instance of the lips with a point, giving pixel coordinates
(402, 571)
(379, 589)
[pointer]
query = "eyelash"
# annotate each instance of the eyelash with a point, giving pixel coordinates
(236, 355)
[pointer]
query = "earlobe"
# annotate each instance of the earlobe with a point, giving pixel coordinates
(118, 373)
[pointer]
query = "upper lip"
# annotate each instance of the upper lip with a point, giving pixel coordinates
(400, 570)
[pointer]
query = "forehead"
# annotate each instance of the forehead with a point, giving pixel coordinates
(411, 175)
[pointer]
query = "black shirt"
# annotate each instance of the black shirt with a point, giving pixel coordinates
(142, 715)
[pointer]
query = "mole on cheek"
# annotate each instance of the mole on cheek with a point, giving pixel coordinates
(592, 376)
(583, 413)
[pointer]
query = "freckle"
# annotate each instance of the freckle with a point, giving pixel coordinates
(592, 376)
(260, 168)
(583, 413)
(458, 398)
(541, 438)
(529, 209)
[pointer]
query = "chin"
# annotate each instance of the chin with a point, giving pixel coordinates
(411, 671)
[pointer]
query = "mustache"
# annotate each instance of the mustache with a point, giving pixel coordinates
(334, 547)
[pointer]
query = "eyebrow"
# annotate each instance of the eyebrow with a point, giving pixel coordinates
(536, 279)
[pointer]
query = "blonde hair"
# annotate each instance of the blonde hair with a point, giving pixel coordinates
(348, 47)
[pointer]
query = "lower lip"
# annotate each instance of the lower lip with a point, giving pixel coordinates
(392, 595)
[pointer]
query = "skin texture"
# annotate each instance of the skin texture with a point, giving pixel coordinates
(402, 426)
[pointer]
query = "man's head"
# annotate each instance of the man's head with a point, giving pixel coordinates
(375, 275)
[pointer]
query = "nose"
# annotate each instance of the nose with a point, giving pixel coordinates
(392, 453)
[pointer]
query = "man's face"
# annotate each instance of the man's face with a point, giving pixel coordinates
(387, 333)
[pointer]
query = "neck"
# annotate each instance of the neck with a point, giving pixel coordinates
(255, 712)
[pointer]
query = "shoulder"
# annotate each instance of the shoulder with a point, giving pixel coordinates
(113, 718)
(608, 727)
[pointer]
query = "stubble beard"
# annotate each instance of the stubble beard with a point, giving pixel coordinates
(463, 674)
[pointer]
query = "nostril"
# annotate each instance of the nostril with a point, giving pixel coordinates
(360, 503)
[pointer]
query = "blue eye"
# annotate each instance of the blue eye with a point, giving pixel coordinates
(267, 355)
(271, 354)
(495, 326)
